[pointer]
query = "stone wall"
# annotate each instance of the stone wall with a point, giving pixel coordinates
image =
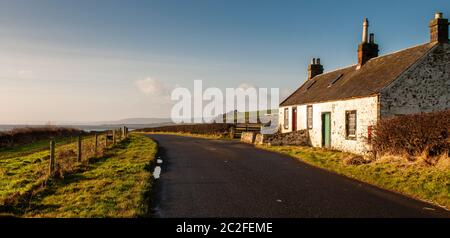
(300, 138)
(248, 137)
(425, 87)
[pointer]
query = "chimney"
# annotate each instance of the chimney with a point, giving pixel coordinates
(367, 49)
(439, 29)
(315, 68)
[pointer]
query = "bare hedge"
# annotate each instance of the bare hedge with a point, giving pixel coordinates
(413, 134)
(26, 135)
(213, 128)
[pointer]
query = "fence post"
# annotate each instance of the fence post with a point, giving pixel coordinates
(52, 158)
(106, 139)
(114, 136)
(79, 149)
(124, 132)
(232, 132)
(96, 144)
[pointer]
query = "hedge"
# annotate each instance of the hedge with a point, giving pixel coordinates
(213, 128)
(413, 134)
(26, 135)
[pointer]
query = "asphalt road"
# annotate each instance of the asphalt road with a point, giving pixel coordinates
(217, 178)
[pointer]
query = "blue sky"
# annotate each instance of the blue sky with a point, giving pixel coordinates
(89, 60)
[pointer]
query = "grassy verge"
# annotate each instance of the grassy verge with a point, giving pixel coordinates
(22, 168)
(114, 185)
(416, 179)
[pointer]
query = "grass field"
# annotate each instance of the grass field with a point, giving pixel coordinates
(416, 179)
(24, 167)
(114, 185)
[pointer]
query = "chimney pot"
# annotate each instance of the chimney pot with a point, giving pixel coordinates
(367, 49)
(365, 30)
(372, 38)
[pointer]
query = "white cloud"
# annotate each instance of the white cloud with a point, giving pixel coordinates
(247, 86)
(152, 86)
(25, 74)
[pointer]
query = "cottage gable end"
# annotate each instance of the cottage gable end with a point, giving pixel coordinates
(425, 87)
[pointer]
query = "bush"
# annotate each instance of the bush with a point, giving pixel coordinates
(27, 135)
(413, 134)
(214, 128)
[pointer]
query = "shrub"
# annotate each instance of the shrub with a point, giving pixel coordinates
(412, 135)
(213, 128)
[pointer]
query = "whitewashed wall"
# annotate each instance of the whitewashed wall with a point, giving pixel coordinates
(367, 114)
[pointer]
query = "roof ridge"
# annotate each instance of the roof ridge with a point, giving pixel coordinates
(405, 49)
(378, 57)
(341, 68)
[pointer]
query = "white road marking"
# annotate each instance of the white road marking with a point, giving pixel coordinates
(157, 172)
(429, 208)
(278, 200)
(159, 161)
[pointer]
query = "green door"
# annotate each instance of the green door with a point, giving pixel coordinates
(326, 129)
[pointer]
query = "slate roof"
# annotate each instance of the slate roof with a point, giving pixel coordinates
(350, 83)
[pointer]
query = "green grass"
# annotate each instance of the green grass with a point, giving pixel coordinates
(23, 150)
(24, 167)
(114, 185)
(415, 179)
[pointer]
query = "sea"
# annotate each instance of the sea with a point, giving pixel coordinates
(85, 127)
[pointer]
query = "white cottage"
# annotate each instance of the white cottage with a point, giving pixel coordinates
(340, 107)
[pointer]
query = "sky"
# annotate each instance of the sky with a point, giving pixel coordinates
(97, 60)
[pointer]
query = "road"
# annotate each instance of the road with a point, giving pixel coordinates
(219, 178)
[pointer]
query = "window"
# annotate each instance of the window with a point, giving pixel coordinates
(335, 80)
(309, 119)
(286, 118)
(350, 124)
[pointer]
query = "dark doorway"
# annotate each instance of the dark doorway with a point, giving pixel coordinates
(294, 119)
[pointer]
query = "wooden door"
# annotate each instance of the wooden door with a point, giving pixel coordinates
(326, 130)
(294, 119)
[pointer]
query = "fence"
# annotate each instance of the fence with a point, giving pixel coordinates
(63, 160)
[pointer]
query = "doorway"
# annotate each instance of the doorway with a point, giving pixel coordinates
(326, 129)
(294, 119)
